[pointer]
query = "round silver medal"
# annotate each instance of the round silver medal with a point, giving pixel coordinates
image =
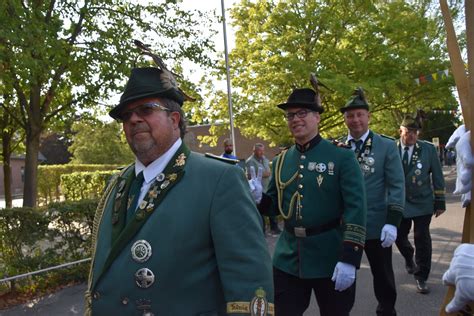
(419, 165)
(370, 161)
(320, 167)
(417, 172)
(141, 251)
(160, 177)
(144, 278)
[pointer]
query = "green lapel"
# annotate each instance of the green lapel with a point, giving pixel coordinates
(119, 206)
(172, 174)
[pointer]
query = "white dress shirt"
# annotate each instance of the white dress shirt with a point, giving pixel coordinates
(151, 171)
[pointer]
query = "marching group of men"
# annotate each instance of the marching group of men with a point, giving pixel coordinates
(171, 238)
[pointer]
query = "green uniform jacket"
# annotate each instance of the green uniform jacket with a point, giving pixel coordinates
(424, 174)
(329, 184)
(209, 256)
(382, 168)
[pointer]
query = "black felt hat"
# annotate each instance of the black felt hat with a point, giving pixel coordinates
(145, 83)
(411, 122)
(303, 98)
(357, 101)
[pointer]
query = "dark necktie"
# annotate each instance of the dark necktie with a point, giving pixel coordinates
(358, 145)
(134, 193)
(405, 159)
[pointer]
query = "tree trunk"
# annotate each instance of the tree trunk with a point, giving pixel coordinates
(7, 169)
(30, 190)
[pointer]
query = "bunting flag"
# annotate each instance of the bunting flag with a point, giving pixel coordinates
(442, 74)
(445, 111)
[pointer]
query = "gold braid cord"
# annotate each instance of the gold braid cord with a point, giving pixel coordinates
(95, 230)
(282, 185)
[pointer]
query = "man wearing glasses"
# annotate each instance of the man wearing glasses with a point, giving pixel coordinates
(424, 187)
(384, 184)
(166, 239)
(318, 190)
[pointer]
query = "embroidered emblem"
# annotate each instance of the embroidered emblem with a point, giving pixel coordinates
(259, 305)
(172, 176)
(311, 165)
(320, 167)
(330, 168)
(154, 192)
(160, 177)
(417, 172)
(144, 278)
(180, 161)
(141, 251)
(320, 179)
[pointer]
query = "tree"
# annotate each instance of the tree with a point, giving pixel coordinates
(60, 56)
(100, 143)
(11, 139)
(380, 46)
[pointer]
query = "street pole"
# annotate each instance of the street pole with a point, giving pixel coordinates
(229, 92)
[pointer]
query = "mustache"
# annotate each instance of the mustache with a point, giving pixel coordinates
(139, 128)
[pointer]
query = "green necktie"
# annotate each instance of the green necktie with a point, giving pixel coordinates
(405, 159)
(134, 193)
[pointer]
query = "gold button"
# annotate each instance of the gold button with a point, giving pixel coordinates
(301, 167)
(300, 176)
(300, 186)
(301, 195)
(303, 157)
(356, 248)
(125, 300)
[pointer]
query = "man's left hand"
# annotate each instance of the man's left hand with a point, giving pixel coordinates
(439, 212)
(343, 276)
(388, 235)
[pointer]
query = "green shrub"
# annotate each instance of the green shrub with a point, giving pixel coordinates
(84, 185)
(49, 178)
(36, 238)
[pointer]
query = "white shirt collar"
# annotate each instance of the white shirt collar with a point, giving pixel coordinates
(363, 137)
(151, 171)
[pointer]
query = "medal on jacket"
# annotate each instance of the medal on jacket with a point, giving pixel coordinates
(259, 304)
(141, 251)
(320, 179)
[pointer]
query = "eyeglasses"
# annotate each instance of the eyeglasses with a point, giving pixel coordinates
(289, 116)
(143, 110)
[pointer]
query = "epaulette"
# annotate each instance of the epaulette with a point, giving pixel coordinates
(388, 137)
(338, 143)
(425, 141)
(224, 159)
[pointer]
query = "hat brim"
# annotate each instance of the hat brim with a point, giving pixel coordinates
(305, 105)
(115, 112)
(353, 107)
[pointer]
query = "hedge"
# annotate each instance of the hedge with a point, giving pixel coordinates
(84, 185)
(36, 238)
(49, 178)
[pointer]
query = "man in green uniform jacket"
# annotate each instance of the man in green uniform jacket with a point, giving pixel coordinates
(384, 184)
(318, 189)
(424, 187)
(176, 233)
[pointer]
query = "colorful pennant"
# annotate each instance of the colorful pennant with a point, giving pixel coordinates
(441, 74)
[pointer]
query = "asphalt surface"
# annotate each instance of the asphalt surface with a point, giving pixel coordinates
(446, 236)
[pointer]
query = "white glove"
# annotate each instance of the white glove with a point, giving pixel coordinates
(344, 276)
(461, 274)
(255, 184)
(388, 235)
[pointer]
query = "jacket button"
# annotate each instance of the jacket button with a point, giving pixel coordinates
(356, 248)
(300, 176)
(301, 167)
(303, 157)
(300, 186)
(96, 295)
(125, 300)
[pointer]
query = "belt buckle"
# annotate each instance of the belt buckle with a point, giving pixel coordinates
(300, 231)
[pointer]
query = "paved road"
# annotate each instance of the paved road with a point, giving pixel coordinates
(446, 235)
